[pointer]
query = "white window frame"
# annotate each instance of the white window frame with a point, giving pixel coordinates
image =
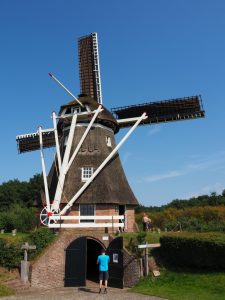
(86, 173)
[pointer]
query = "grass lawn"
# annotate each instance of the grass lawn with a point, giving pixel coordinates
(151, 237)
(183, 286)
(4, 290)
(18, 238)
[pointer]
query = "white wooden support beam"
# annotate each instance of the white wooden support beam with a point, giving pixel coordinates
(62, 218)
(62, 175)
(44, 170)
(56, 140)
(156, 245)
(85, 225)
(98, 170)
(83, 138)
(127, 120)
(80, 114)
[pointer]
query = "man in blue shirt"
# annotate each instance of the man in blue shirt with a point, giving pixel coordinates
(103, 262)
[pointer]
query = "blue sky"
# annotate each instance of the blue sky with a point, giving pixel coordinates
(149, 51)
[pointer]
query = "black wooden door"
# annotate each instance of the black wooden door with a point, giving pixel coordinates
(75, 266)
(115, 253)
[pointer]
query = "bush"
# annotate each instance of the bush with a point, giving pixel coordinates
(200, 219)
(136, 240)
(41, 238)
(205, 250)
(10, 255)
(21, 218)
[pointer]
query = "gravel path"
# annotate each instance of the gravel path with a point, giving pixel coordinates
(79, 293)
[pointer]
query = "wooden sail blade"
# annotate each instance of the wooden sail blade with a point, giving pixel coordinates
(90, 81)
(30, 142)
(161, 111)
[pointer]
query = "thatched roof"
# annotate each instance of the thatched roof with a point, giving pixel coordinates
(110, 186)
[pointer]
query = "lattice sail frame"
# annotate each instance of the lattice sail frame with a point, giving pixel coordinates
(161, 111)
(90, 79)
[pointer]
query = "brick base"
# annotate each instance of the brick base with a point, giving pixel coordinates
(48, 270)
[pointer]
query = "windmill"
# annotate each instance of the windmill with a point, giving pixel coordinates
(86, 186)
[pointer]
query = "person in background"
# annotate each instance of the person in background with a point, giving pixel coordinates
(103, 262)
(145, 221)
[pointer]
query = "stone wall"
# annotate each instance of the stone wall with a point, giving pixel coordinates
(131, 269)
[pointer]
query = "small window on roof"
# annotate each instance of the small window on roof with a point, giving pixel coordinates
(108, 141)
(86, 173)
(75, 109)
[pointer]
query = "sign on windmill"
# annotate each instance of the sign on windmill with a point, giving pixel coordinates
(83, 176)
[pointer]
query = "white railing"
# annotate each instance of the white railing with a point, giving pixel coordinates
(113, 221)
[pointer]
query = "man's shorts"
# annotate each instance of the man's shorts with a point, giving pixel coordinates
(103, 275)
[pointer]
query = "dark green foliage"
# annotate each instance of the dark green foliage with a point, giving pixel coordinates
(203, 200)
(136, 240)
(17, 202)
(23, 193)
(41, 238)
(206, 250)
(21, 218)
(10, 254)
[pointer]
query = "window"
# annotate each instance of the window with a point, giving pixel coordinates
(75, 110)
(87, 210)
(108, 141)
(86, 173)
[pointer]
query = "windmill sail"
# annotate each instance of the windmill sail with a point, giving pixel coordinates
(30, 142)
(162, 111)
(90, 81)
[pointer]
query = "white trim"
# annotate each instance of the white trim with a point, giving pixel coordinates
(125, 216)
(44, 170)
(58, 217)
(53, 219)
(127, 120)
(57, 141)
(33, 134)
(85, 225)
(62, 175)
(94, 125)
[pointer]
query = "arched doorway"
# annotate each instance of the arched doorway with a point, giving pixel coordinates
(81, 258)
(93, 250)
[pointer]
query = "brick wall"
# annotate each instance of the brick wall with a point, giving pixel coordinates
(48, 270)
(130, 219)
(131, 269)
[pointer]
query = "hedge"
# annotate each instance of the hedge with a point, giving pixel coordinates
(11, 253)
(194, 250)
